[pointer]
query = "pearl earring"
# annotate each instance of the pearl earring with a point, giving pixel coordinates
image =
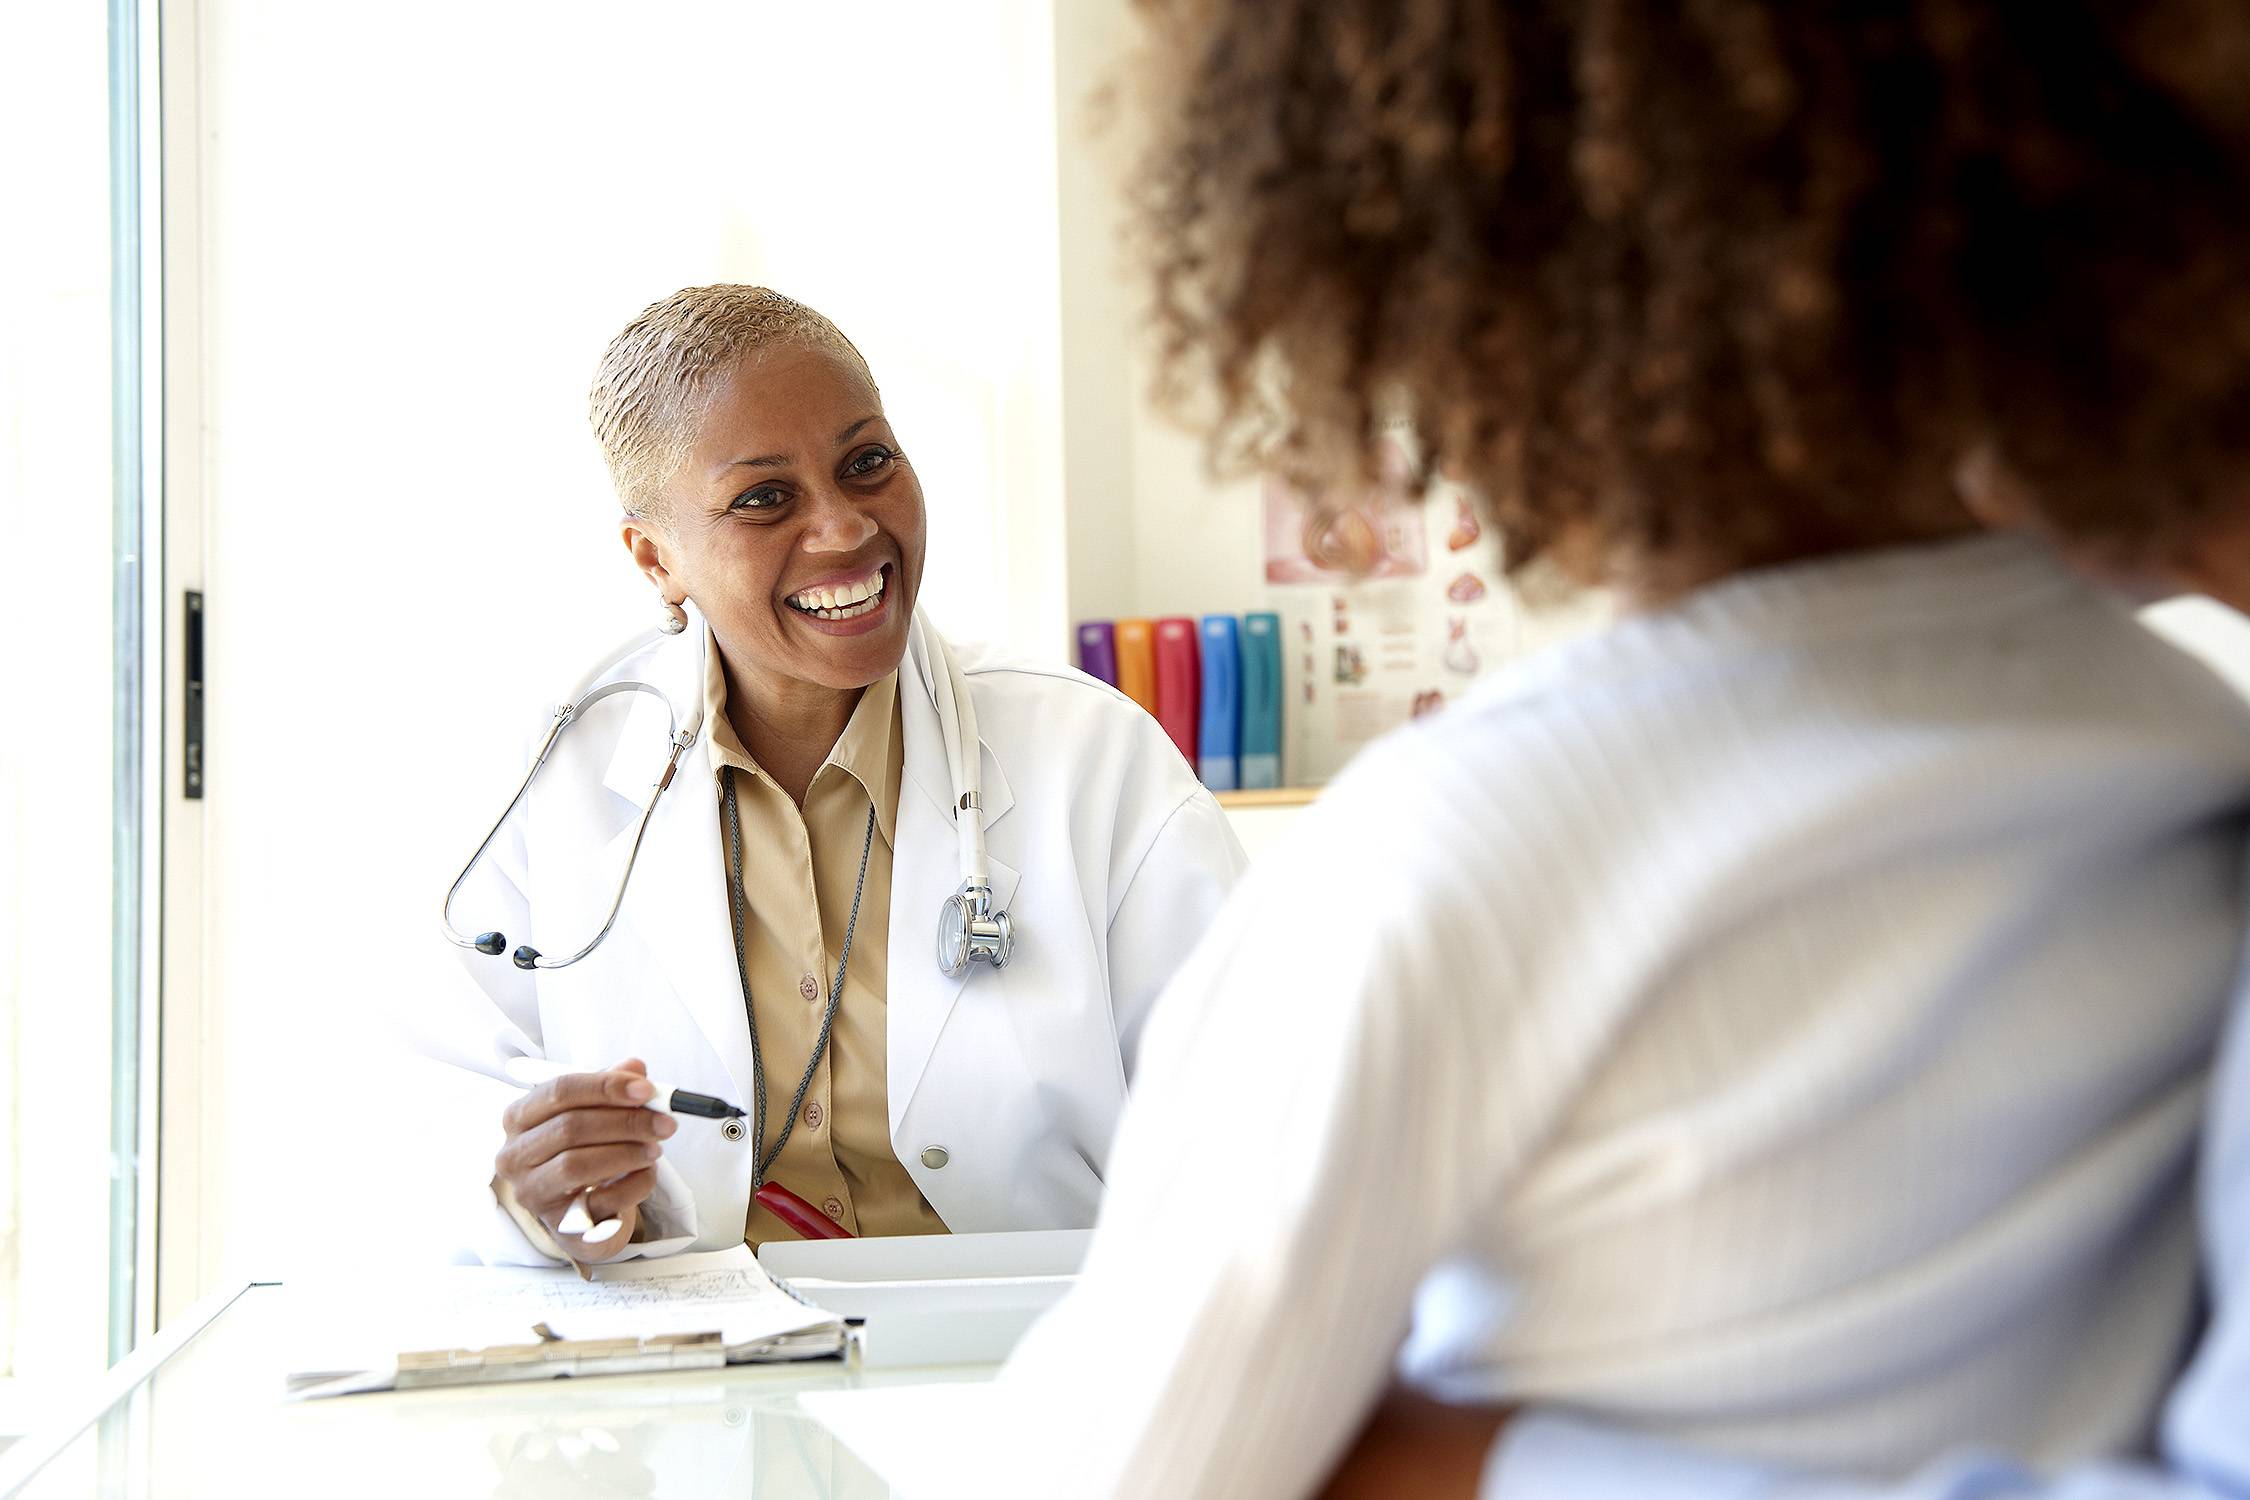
(675, 619)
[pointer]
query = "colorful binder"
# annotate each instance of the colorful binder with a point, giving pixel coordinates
(1260, 729)
(1218, 741)
(1097, 650)
(1136, 661)
(1179, 683)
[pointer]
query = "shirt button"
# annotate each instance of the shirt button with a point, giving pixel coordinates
(812, 1115)
(833, 1209)
(733, 1130)
(809, 987)
(935, 1157)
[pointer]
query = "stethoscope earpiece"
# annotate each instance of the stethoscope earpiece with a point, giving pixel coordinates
(494, 943)
(526, 957)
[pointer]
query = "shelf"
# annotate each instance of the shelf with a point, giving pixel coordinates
(1280, 796)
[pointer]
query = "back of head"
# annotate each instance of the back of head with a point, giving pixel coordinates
(1686, 286)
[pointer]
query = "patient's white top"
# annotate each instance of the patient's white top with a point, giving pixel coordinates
(1779, 1022)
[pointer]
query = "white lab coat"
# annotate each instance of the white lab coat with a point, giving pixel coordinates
(1108, 854)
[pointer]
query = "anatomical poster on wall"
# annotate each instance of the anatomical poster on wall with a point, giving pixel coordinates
(1390, 609)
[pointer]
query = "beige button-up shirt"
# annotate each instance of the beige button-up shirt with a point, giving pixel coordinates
(799, 868)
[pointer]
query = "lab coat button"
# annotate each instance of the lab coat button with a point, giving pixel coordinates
(809, 987)
(935, 1157)
(833, 1209)
(812, 1115)
(733, 1130)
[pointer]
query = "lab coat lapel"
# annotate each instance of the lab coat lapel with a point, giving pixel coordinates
(678, 901)
(925, 872)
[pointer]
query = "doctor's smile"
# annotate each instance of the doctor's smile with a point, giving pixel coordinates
(847, 606)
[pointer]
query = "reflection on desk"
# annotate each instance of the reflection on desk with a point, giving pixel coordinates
(211, 1421)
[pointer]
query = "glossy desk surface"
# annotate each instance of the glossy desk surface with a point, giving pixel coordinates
(209, 1420)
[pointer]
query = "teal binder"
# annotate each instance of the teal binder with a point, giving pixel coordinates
(1260, 741)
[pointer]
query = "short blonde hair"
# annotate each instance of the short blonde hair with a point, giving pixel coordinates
(648, 390)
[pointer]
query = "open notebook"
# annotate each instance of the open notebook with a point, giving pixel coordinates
(462, 1325)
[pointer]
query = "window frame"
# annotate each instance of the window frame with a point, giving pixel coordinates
(138, 716)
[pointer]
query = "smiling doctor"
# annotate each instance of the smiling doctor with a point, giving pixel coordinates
(778, 943)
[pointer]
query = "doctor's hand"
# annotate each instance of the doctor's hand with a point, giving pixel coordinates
(580, 1131)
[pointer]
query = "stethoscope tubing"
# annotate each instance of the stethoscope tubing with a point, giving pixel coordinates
(957, 723)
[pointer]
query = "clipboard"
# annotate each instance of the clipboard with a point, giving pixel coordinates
(557, 1359)
(452, 1326)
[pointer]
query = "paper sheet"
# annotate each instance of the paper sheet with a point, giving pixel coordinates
(344, 1327)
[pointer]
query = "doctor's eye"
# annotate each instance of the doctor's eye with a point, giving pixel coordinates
(869, 461)
(764, 497)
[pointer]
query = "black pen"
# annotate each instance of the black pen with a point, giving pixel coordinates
(530, 1072)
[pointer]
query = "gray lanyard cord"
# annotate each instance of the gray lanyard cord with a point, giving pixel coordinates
(739, 903)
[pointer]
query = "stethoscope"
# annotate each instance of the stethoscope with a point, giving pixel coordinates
(969, 931)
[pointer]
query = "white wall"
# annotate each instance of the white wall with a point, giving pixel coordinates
(1148, 532)
(419, 225)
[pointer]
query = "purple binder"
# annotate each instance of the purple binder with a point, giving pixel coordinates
(1097, 650)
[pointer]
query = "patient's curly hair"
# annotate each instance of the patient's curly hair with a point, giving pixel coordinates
(1705, 284)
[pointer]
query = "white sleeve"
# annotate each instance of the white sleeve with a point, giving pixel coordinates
(1325, 1103)
(2206, 1434)
(1169, 901)
(476, 1029)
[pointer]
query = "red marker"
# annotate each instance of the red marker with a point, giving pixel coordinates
(799, 1215)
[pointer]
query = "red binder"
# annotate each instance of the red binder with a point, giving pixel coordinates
(1179, 681)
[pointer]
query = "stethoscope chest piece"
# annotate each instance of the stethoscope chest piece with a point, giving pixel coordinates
(970, 932)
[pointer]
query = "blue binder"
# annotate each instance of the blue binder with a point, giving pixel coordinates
(1216, 745)
(1259, 742)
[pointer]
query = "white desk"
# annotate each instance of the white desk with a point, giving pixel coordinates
(208, 1421)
